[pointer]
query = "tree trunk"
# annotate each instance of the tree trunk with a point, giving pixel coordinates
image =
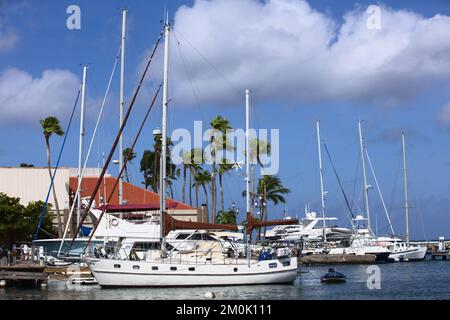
(265, 210)
(222, 206)
(184, 184)
(213, 192)
(252, 211)
(58, 216)
(196, 195)
(206, 196)
(190, 187)
(126, 174)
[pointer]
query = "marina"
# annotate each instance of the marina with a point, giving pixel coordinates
(430, 282)
(175, 172)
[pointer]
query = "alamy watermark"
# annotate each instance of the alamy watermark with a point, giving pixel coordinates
(73, 21)
(214, 146)
(374, 279)
(373, 22)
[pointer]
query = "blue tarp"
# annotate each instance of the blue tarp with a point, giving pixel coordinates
(85, 231)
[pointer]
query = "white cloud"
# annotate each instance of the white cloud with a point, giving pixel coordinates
(27, 99)
(286, 51)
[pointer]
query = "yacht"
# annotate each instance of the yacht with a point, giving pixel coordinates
(310, 230)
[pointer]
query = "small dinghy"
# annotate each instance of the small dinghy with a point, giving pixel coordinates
(333, 277)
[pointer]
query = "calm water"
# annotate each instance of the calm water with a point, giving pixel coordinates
(414, 280)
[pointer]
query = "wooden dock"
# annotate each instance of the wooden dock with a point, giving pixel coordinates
(313, 259)
(23, 274)
(442, 255)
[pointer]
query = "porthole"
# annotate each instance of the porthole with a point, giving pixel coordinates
(173, 268)
(273, 265)
(136, 267)
(286, 263)
(191, 269)
(235, 269)
(117, 266)
(154, 268)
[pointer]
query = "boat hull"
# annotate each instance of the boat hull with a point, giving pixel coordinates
(143, 273)
(415, 254)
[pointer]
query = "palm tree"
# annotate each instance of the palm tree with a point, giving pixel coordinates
(192, 160)
(50, 126)
(217, 142)
(257, 149)
(223, 168)
(202, 179)
(150, 166)
(127, 153)
(226, 217)
(270, 189)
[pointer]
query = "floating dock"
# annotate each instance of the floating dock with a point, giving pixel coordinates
(23, 274)
(313, 259)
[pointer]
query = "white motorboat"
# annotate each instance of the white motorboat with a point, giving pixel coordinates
(309, 230)
(403, 251)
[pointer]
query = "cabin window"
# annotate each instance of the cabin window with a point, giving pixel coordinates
(207, 237)
(286, 263)
(235, 269)
(196, 236)
(117, 266)
(191, 269)
(273, 265)
(182, 236)
(136, 267)
(154, 268)
(173, 268)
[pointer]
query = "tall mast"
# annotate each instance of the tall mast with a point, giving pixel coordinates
(366, 186)
(122, 103)
(80, 146)
(247, 164)
(406, 187)
(162, 179)
(322, 192)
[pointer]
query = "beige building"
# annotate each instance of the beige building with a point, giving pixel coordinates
(31, 184)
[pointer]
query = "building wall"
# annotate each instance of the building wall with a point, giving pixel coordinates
(31, 184)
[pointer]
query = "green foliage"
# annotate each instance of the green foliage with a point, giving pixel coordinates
(18, 223)
(51, 125)
(26, 165)
(226, 217)
(150, 163)
(127, 151)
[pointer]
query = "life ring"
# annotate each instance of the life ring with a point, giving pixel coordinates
(114, 222)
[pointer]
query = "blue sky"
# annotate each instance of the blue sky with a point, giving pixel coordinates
(35, 39)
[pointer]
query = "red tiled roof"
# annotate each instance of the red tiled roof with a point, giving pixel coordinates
(133, 195)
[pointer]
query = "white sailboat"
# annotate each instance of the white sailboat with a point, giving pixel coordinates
(205, 266)
(404, 250)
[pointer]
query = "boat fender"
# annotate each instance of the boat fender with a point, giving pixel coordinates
(210, 295)
(115, 222)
